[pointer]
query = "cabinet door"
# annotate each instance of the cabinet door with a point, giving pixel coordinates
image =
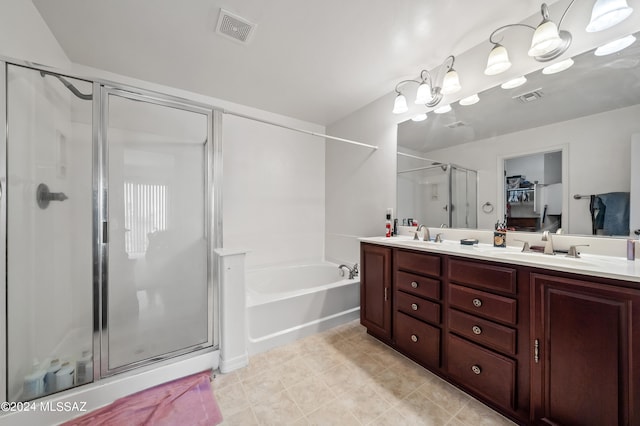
(375, 289)
(586, 361)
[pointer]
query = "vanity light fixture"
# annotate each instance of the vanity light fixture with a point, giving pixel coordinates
(419, 117)
(443, 109)
(615, 46)
(548, 42)
(429, 93)
(470, 100)
(515, 82)
(607, 13)
(558, 67)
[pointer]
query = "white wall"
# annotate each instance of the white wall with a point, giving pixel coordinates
(273, 193)
(24, 35)
(360, 182)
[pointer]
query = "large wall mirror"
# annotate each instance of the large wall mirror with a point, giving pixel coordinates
(579, 124)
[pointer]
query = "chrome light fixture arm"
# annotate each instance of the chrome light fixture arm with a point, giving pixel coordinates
(426, 78)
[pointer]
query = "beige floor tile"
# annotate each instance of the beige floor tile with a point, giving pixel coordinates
(455, 422)
(364, 404)
(310, 394)
(478, 414)
(366, 363)
(332, 414)
(391, 417)
(416, 409)
(295, 371)
(261, 387)
(231, 399)
(241, 418)
(322, 360)
(393, 385)
(277, 409)
(444, 395)
(221, 380)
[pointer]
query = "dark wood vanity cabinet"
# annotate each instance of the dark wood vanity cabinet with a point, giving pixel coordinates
(542, 347)
(375, 290)
(487, 332)
(417, 311)
(586, 366)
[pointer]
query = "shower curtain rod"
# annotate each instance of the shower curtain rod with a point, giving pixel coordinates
(418, 158)
(308, 132)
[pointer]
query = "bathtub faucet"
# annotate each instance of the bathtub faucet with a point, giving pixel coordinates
(353, 272)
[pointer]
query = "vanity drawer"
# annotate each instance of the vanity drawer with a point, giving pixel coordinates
(418, 262)
(488, 373)
(417, 307)
(491, 277)
(418, 285)
(483, 304)
(418, 339)
(485, 332)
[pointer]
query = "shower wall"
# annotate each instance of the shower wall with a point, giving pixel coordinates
(273, 192)
(49, 265)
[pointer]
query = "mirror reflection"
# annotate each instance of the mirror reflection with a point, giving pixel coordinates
(583, 120)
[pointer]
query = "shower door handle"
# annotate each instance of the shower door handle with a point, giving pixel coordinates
(105, 232)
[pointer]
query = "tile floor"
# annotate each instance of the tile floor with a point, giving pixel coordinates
(343, 377)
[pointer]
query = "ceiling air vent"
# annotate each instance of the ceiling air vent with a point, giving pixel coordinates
(455, 124)
(531, 96)
(234, 27)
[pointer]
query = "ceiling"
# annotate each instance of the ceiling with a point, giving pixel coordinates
(594, 84)
(315, 60)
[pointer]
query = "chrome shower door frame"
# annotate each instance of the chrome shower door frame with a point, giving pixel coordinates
(3, 230)
(212, 226)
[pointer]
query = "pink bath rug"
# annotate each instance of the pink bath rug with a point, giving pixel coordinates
(186, 401)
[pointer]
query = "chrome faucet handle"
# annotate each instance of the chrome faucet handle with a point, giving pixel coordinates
(548, 246)
(355, 269)
(573, 251)
(415, 236)
(439, 238)
(525, 245)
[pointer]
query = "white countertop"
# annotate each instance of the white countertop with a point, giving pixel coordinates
(588, 264)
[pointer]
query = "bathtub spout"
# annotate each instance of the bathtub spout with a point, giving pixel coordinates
(353, 272)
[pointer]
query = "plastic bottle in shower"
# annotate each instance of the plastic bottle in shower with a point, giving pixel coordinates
(33, 385)
(64, 376)
(50, 377)
(84, 368)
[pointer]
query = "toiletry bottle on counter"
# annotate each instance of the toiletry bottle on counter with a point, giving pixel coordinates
(388, 223)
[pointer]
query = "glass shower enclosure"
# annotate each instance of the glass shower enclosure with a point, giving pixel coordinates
(438, 195)
(107, 210)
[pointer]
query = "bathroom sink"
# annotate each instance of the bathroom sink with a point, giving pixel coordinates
(544, 259)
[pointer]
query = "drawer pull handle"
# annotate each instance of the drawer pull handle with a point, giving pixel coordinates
(476, 369)
(414, 338)
(477, 303)
(414, 306)
(414, 284)
(476, 330)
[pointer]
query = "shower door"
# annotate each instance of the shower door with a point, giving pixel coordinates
(48, 203)
(157, 290)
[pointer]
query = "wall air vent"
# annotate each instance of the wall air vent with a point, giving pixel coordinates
(234, 27)
(531, 96)
(455, 124)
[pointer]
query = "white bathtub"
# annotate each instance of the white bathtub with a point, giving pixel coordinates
(286, 303)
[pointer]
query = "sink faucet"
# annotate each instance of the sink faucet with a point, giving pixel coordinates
(426, 236)
(353, 272)
(548, 246)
